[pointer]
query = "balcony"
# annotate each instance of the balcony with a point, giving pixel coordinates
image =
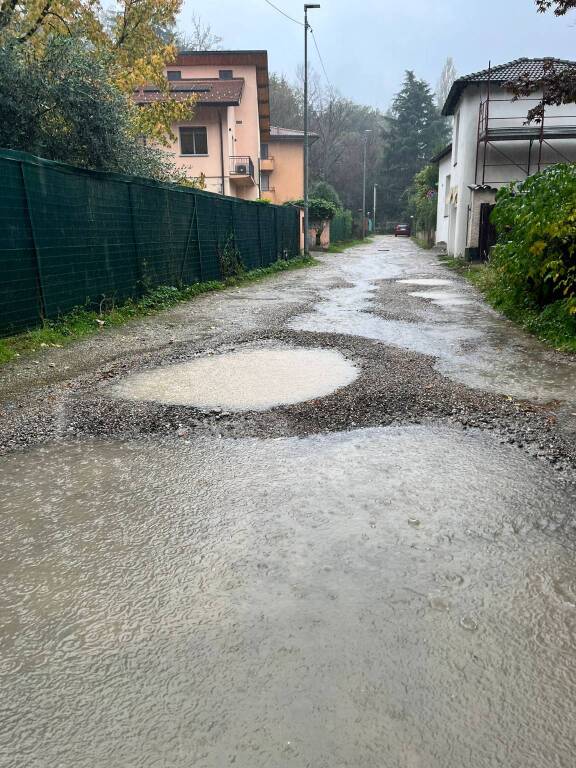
(242, 171)
(267, 164)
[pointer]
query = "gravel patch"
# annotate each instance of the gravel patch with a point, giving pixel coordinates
(394, 387)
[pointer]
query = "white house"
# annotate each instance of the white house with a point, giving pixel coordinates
(491, 146)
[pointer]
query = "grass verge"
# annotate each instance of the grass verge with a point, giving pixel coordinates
(345, 244)
(421, 242)
(553, 325)
(85, 322)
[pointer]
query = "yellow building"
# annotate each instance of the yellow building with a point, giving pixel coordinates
(282, 165)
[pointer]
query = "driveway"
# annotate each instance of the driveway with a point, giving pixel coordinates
(381, 575)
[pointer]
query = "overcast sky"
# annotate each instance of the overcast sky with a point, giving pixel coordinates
(367, 44)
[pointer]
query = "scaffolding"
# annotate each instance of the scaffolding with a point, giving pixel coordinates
(496, 130)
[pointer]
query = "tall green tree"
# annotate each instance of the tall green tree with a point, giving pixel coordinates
(340, 125)
(415, 132)
(63, 106)
(133, 38)
(285, 103)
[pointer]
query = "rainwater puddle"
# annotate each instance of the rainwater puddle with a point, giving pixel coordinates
(426, 281)
(444, 298)
(247, 380)
(267, 603)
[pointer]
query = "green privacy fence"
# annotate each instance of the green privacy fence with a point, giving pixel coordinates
(71, 237)
(341, 226)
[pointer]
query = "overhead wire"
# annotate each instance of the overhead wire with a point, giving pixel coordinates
(284, 13)
(330, 87)
(316, 46)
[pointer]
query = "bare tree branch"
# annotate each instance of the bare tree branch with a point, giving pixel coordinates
(37, 24)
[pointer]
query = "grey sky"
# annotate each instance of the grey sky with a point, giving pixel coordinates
(366, 45)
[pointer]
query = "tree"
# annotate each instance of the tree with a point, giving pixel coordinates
(423, 200)
(200, 38)
(340, 125)
(558, 82)
(64, 107)
(445, 81)
(416, 131)
(325, 191)
(132, 38)
(336, 156)
(286, 100)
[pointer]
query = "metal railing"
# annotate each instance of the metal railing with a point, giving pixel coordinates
(241, 166)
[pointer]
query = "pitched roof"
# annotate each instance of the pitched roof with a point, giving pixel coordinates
(289, 134)
(258, 59)
(502, 73)
(443, 152)
(213, 92)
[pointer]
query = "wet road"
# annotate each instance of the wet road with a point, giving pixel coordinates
(399, 596)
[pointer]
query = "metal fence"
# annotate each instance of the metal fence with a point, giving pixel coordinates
(341, 226)
(71, 237)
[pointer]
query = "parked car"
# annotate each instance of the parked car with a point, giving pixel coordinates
(402, 229)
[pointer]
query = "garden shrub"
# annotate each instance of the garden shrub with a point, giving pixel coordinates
(535, 256)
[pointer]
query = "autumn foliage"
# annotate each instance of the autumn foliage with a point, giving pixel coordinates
(132, 40)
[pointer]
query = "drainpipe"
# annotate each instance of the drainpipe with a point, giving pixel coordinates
(221, 151)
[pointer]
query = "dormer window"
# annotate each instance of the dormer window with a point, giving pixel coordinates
(174, 74)
(225, 74)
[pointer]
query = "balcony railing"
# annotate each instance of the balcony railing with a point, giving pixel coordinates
(242, 167)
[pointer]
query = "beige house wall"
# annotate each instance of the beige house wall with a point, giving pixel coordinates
(287, 176)
(240, 134)
(210, 164)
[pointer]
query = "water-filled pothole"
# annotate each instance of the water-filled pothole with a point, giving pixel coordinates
(255, 379)
(425, 281)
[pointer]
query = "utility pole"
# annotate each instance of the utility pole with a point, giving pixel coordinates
(366, 132)
(374, 207)
(307, 6)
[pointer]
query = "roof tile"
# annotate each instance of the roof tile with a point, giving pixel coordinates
(503, 73)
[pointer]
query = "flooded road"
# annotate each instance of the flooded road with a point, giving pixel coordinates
(316, 594)
(447, 319)
(409, 601)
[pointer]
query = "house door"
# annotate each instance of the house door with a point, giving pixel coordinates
(487, 234)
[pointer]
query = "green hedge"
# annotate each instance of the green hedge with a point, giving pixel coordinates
(535, 256)
(341, 226)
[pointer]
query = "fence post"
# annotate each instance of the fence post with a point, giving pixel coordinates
(200, 270)
(276, 234)
(138, 263)
(261, 255)
(188, 240)
(37, 267)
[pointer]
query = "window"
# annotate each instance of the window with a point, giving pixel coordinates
(193, 141)
(174, 74)
(264, 151)
(225, 74)
(447, 182)
(265, 181)
(456, 137)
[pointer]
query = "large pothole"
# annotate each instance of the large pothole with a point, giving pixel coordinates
(254, 380)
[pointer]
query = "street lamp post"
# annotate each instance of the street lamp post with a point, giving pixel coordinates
(366, 132)
(307, 6)
(374, 207)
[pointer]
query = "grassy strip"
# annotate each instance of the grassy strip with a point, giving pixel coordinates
(421, 242)
(85, 322)
(553, 325)
(345, 244)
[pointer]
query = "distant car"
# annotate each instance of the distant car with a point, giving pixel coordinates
(402, 229)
